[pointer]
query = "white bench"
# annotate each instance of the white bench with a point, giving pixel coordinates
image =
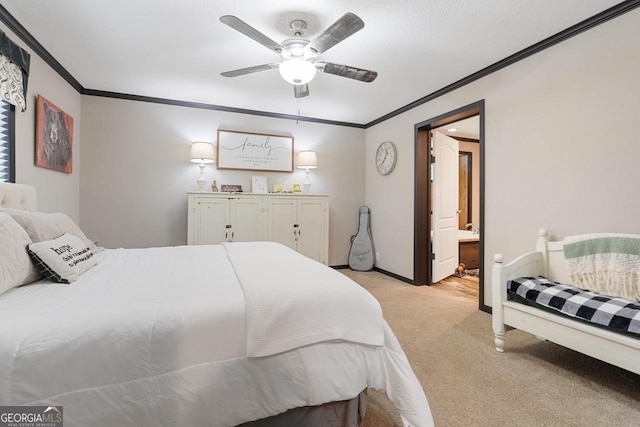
(548, 260)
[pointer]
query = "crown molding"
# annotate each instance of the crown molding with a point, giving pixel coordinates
(203, 106)
(600, 18)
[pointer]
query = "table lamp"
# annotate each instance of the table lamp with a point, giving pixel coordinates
(307, 160)
(203, 153)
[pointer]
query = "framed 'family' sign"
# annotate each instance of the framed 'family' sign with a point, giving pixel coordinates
(254, 151)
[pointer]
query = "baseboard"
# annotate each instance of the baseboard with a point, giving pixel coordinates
(482, 307)
(394, 275)
(379, 270)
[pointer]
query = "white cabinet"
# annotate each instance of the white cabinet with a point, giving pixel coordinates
(208, 219)
(225, 219)
(298, 221)
(246, 219)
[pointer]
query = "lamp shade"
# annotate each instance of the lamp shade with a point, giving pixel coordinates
(202, 152)
(297, 71)
(307, 160)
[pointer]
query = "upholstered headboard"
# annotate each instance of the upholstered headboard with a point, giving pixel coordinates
(18, 196)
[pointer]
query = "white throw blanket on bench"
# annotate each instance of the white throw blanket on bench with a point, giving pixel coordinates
(605, 263)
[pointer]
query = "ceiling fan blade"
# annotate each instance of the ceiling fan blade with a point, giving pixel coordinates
(344, 27)
(249, 70)
(246, 29)
(300, 91)
(360, 74)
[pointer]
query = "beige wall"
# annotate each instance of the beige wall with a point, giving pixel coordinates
(562, 148)
(136, 170)
(57, 191)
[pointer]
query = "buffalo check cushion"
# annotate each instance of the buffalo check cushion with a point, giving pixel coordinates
(617, 314)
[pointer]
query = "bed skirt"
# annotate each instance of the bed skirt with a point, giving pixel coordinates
(346, 413)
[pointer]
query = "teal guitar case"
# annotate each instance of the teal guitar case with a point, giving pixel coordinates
(361, 252)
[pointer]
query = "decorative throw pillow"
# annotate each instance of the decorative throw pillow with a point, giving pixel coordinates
(47, 226)
(63, 259)
(15, 266)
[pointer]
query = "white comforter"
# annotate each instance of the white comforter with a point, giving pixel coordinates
(170, 336)
(292, 301)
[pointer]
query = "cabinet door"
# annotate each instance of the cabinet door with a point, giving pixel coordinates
(247, 224)
(281, 221)
(210, 219)
(312, 237)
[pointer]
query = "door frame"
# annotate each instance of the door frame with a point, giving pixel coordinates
(422, 250)
(469, 159)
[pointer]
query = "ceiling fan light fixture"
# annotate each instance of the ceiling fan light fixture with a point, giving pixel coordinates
(297, 71)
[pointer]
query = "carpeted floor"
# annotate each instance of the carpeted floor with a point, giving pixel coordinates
(449, 343)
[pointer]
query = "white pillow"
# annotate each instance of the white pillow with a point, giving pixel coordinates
(15, 266)
(63, 259)
(47, 226)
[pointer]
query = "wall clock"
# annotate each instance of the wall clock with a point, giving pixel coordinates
(386, 157)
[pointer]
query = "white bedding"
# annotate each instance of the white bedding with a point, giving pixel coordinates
(159, 337)
(285, 312)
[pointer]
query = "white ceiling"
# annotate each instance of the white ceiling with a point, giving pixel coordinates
(467, 128)
(176, 49)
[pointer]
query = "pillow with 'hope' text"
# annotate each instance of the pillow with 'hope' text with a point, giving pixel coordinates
(62, 259)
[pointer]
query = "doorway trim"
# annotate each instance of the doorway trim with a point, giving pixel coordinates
(468, 155)
(422, 250)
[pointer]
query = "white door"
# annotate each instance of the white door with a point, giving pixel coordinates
(445, 206)
(211, 219)
(246, 219)
(281, 222)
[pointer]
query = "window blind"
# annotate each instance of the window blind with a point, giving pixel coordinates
(7, 163)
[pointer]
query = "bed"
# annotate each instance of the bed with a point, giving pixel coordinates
(577, 329)
(216, 335)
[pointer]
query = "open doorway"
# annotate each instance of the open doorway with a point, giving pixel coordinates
(469, 201)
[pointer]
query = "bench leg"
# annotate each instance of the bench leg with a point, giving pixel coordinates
(500, 342)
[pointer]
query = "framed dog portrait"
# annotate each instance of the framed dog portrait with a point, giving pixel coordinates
(54, 137)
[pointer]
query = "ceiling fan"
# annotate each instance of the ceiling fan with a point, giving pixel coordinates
(299, 65)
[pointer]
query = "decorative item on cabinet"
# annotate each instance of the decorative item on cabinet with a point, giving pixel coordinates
(296, 188)
(259, 184)
(214, 186)
(231, 188)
